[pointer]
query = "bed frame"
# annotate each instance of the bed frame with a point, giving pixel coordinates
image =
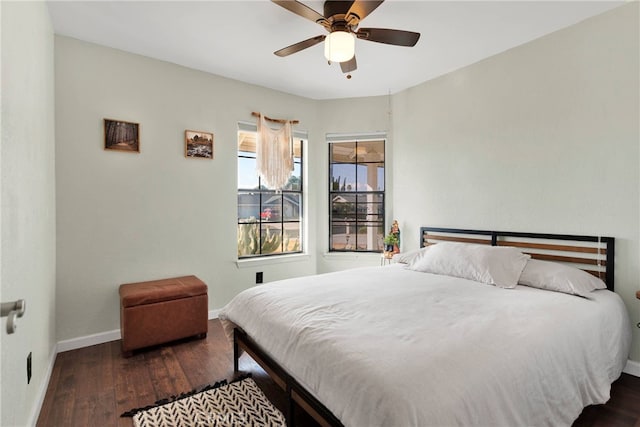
(593, 254)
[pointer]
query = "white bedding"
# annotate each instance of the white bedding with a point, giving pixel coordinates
(387, 346)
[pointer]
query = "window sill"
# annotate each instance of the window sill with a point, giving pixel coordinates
(270, 260)
(351, 256)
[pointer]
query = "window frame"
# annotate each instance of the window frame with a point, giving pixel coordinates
(262, 192)
(334, 138)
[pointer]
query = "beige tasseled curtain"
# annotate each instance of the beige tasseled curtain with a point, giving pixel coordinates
(274, 154)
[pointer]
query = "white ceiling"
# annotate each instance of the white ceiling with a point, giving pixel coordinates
(236, 39)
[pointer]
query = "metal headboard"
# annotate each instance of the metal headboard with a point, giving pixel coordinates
(593, 254)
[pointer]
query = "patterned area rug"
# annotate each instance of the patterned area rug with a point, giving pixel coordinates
(239, 403)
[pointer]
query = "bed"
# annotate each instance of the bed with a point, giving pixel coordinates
(394, 346)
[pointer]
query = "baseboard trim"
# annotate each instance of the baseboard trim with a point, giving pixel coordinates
(632, 368)
(42, 392)
(89, 340)
(103, 337)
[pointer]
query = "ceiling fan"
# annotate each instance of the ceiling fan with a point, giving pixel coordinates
(341, 20)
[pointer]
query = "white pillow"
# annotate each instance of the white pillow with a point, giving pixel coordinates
(559, 277)
(494, 265)
(408, 257)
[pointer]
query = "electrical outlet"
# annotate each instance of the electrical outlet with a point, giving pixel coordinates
(29, 368)
(259, 277)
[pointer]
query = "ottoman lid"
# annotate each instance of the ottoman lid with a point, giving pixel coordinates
(133, 294)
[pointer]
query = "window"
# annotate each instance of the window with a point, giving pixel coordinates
(356, 195)
(269, 221)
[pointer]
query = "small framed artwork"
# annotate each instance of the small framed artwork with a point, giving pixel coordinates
(198, 144)
(122, 136)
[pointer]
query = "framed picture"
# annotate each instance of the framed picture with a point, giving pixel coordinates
(122, 136)
(198, 144)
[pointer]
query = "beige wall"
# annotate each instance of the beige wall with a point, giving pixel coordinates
(27, 205)
(125, 217)
(542, 138)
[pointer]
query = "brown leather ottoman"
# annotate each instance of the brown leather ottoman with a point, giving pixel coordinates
(160, 311)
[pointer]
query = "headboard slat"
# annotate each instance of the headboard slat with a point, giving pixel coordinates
(598, 274)
(458, 239)
(531, 245)
(561, 258)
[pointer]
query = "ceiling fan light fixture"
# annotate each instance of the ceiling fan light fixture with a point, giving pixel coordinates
(339, 46)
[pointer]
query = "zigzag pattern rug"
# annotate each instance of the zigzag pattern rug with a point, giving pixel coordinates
(240, 403)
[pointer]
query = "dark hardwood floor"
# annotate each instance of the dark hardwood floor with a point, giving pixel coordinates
(92, 386)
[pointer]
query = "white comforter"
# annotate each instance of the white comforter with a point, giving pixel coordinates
(387, 346)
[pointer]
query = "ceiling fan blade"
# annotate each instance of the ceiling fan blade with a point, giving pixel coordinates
(301, 10)
(349, 65)
(297, 47)
(362, 8)
(387, 36)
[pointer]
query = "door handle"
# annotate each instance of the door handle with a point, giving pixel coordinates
(12, 310)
